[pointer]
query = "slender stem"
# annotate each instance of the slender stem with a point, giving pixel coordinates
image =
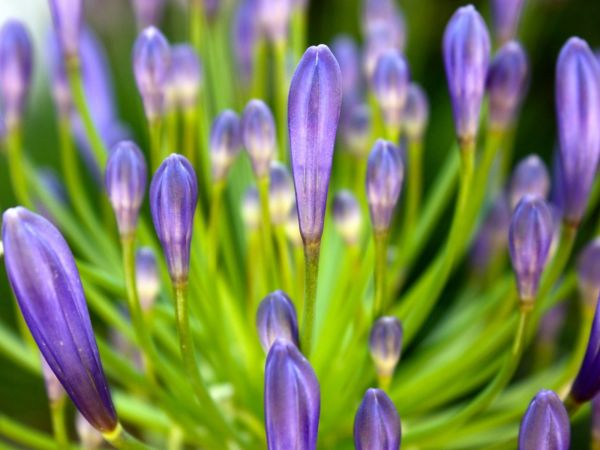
(311, 262)
(260, 69)
(414, 175)
(156, 153)
(213, 224)
(14, 144)
(22, 434)
(281, 97)
(190, 138)
(57, 412)
(379, 302)
(284, 258)
(122, 440)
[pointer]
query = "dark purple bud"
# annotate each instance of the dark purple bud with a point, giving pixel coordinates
(258, 132)
(390, 84)
(347, 54)
(173, 199)
(545, 425)
(587, 383)
(274, 17)
(245, 35)
(276, 319)
(466, 58)
(530, 177)
(281, 193)
(356, 129)
(385, 344)
(314, 105)
(292, 399)
(148, 12)
(67, 16)
(15, 71)
(347, 216)
(377, 423)
(529, 237)
(147, 277)
(492, 238)
(151, 62)
(505, 16)
(52, 302)
(125, 181)
(588, 273)
(416, 112)
(54, 389)
(251, 208)
(292, 227)
(385, 173)
(506, 83)
(185, 76)
(225, 143)
(596, 419)
(89, 437)
(578, 115)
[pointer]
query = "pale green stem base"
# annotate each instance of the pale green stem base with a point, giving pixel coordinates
(311, 264)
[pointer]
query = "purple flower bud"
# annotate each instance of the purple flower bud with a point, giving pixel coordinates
(89, 437)
(258, 131)
(466, 57)
(588, 273)
(492, 238)
(578, 115)
(52, 302)
(225, 143)
(587, 383)
(292, 399)
(67, 16)
(347, 217)
(276, 319)
(385, 173)
(245, 35)
(314, 105)
(185, 76)
(251, 208)
(281, 193)
(505, 16)
(274, 17)
(390, 85)
(506, 83)
(377, 423)
(148, 12)
(151, 62)
(384, 16)
(54, 389)
(416, 112)
(529, 178)
(147, 277)
(292, 227)
(173, 198)
(15, 71)
(378, 42)
(355, 127)
(347, 54)
(529, 237)
(125, 180)
(596, 419)
(545, 425)
(385, 344)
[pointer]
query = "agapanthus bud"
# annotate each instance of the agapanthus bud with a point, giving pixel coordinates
(125, 181)
(384, 16)
(466, 58)
(15, 71)
(492, 238)
(251, 208)
(385, 344)
(185, 76)
(385, 173)
(314, 105)
(276, 319)
(245, 36)
(281, 193)
(506, 82)
(258, 132)
(89, 437)
(377, 423)
(225, 143)
(292, 227)
(530, 177)
(416, 112)
(578, 114)
(529, 237)
(390, 85)
(356, 129)
(54, 389)
(545, 425)
(347, 217)
(274, 16)
(347, 54)
(67, 16)
(173, 199)
(378, 42)
(151, 62)
(505, 16)
(148, 12)
(292, 399)
(53, 305)
(147, 277)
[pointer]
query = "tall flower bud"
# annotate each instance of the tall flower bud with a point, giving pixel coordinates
(385, 345)
(416, 112)
(530, 177)
(67, 16)
(356, 129)
(185, 76)
(545, 425)
(377, 423)
(347, 54)
(390, 84)
(147, 277)
(53, 305)
(347, 216)
(281, 193)
(225, 144)
(505, 16)
(148, 12)
(292, 399)
(466, 58)
(245, 36)
(578, 115)
(258, 132)
(313, 112)
(276, 319)
(173, 198)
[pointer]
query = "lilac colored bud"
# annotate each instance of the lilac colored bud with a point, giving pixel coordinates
(466, 58)
(148, 12)
(89, 437)
(530, 177)
(53, 305)
(578, 115)
(292, 227)
(258, 132)
(384, 16)
(416, 112)
(377, 423)
(587, 383)
(588, 273)
(347, 216)
(251, 214)
(185, 77)
(377, 44)
(492, 238)
(529, 237)
(151, 65)
(173, 199)
(147, 277)
(225, 144)
(67, 16)
(506, 83)
(292, 399)
(276, 319)
(54, 389)
(281, 193)
(545, 425)
(356, 129)
(61, 92)
(245, 35)
(505, 16)
(390, 84)
(347, 54)
(125, 181)
(385, 344)
(274, 17)
(314, 105)
(385, 173)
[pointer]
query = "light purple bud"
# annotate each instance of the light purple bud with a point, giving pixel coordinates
(245, 35)
(274, 17)
(384, 15)
(281, 193)
(416, 112)
(545, 425)
(530, 177)
(505, 16)
(588, 273)
(251, 214)
(258, 132)
(148, 12)
(347, 54)
(385, 344)
(54, 389)
(314, 105)
(67, 16)
(356, 129)
(225, 144)
(276, 319)
(377, 423)
(61, 92)
(377, 44)
(185, 76)
(347, 216)
(390, 85)
(147, 277)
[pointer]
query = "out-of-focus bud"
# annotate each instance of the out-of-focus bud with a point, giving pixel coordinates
(378, 43)
(173, 199)
(390, 84)
(125, 181)
(276, 319)
(225, 144)
(314, 106)
(578, 114)
(355, 128)
(185, 76)
(416, 112)
(151, 65)
(587, 383)
(89, 437)
(147, 277)
(545, 425)
(292, 228)
(383, 16)
(505, 16)
(67, 16)
(245, 36)
(530, 177)
(377, 423)
(258, 132)
(251, 208)
(588, 273)
(385, 345)
(492, 238)
(274, 17)
(529, 237)
(466, 58)
(16, 61)
(347, 217)
(148, 12)
(292, 399)
(281, 193)
(54, 389)
(346, 52)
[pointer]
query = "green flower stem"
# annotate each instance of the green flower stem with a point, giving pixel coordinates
(216, 203)
(299, 268)
(202, 121)
(311, 262)
(281, 89)
(379, 301)
(261, 59)
(14, 146)
(190, 139)
(57, 413)
(267, 232)
(195, 15)
(414, 186)
(22, 434)
(252, 281)
(284, 258)
(122, 440)
(171, 122)
(298, 25)
(155, 133)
